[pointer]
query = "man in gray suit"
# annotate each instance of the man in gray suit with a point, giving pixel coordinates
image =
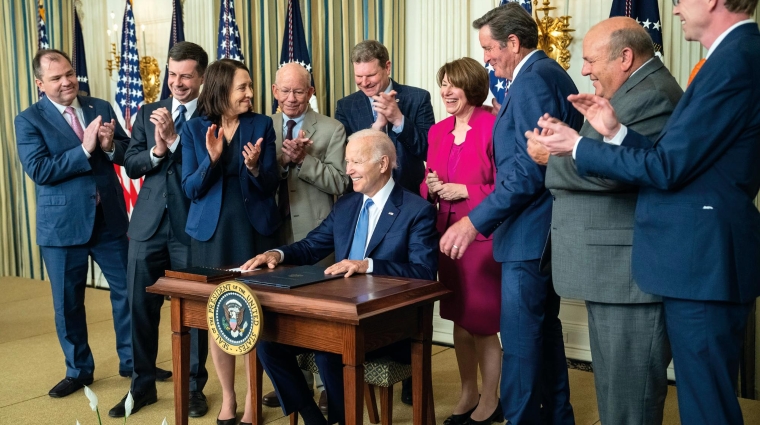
(158, 241)
(311, 152)
(592, 230)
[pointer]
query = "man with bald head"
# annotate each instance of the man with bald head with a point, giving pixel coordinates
(310, 151)
(379, 228)
(592, 230)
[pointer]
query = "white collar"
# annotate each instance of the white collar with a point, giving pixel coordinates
(725, 33)
(190, 106)
(75, 104)
(642, 65)
(521, 63)
(382, 195)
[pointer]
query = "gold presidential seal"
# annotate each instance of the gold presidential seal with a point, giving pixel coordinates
(234, 317)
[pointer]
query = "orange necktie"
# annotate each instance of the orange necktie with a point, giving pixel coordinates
(695, 70)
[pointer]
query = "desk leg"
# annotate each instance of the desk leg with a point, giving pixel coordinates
(421, 369)
(256, 374)
(353, 375)
(180, 362)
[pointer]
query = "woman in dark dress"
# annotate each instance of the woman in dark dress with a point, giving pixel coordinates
(461, 174)
(230, 173)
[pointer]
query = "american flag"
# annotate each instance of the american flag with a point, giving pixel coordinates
(129, 95)
(78, 57)
(177, 35)
(294, 48)
(229, 37)
(500, 86)
(646, 13)
(42, 39)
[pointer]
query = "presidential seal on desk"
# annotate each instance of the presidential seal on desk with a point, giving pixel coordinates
(234, 317)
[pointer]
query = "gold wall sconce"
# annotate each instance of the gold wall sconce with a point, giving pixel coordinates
(151, 78)
(554, 36)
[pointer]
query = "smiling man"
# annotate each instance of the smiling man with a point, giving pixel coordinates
(534, 381)
(403, 112)
(158, 241)
(592, 230)
(379, 228)
(696, 234)
(67, 145)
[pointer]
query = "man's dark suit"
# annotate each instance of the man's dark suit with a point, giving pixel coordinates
(518, 212)
(592, 234)
(355, 113)
(158, 242)
(404, 243)
(696, 239)
(70, 227)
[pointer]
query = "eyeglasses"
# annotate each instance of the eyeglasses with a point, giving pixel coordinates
(296, 93)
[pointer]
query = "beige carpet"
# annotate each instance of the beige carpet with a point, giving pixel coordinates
(31, 362)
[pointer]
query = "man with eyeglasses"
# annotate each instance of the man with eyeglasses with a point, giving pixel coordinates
(310, 150)
(696, 236)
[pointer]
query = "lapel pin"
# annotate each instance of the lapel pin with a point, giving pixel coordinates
(390, 213)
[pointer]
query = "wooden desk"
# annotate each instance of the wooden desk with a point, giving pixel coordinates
(346, 316)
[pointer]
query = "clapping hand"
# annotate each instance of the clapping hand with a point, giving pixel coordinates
(90, 138)
(251, 155)
(536, 150)
(164, 132)
(214, 144)
(557, 137)
(105, 135)
(386, 104)
(296, 149)
(599, 113)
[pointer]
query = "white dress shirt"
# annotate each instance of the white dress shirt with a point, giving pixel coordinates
(80, 116)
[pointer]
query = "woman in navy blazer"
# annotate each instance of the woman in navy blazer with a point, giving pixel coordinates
(230, 174)
(461, 173)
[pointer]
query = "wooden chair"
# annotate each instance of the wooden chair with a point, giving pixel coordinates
(381, 373)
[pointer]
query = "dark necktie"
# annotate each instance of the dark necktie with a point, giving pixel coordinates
(284, 205)
(360, 234)
(181, 120)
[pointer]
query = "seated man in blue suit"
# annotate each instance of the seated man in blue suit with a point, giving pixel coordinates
(403, 112)
(68, 144)
(696, 237)
(534, 382)
(394, 235)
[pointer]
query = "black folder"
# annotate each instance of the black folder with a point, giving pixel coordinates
(291, 277)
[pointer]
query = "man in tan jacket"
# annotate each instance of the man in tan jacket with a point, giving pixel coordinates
(311, 152)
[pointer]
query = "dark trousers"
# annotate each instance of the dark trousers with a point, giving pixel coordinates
(534, 383)
(67, 268)
(706, 338)
(279, 362)
(147, 262)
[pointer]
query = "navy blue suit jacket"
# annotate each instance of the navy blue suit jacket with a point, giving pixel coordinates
(355, 113)
(66, 181)
(203, 183)
(518, 211)
(404, 242)
(697, 230)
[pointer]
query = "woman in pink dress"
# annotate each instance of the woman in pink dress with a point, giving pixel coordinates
(461, 173)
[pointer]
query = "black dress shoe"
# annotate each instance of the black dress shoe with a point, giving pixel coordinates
(141, 400)
(197, 405)
(323, 402)
(460, 419)
(163, 375)
(232, 421)
(270, 399)
(67, 386)
(497, 416)
(406, 391)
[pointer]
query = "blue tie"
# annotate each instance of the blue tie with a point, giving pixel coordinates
(360, 234)
(181, 120)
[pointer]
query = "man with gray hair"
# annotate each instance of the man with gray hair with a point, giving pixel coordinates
(403, 112)
(393, 234)
(534, 381)
(592, 230)
(310, 150)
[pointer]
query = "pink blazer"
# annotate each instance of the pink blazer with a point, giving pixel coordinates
(476, 168)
